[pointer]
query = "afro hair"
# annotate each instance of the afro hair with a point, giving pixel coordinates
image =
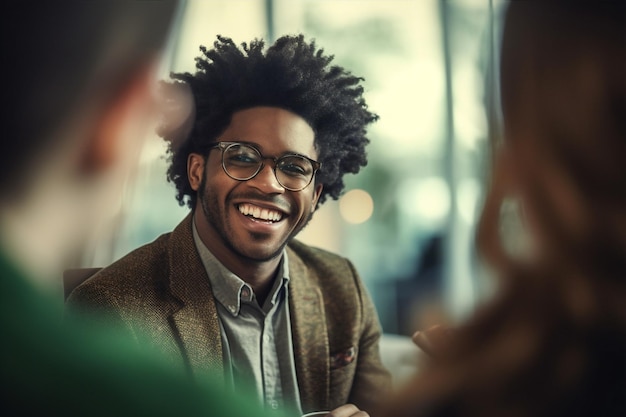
(293, 75)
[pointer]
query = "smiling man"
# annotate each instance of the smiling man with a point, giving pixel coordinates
(230, 291)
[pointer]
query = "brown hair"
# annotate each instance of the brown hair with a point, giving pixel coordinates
(553, 340)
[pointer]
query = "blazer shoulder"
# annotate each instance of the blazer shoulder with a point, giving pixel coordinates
(333, 274)
(316, 258)
(131, 275)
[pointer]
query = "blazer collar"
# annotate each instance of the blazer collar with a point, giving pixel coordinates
(198, 325)
(310, 335)
(196, 320)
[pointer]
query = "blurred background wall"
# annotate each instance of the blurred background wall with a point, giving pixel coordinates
(407, 220)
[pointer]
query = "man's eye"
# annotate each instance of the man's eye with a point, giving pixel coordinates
(293, 169)
(243, 159)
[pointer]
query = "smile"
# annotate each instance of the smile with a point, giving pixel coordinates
(260, 213)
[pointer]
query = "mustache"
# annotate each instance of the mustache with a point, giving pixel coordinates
(277, 201)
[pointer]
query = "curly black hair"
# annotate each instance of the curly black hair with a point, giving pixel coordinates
(293, 75)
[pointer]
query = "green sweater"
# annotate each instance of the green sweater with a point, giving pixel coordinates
(54, 366)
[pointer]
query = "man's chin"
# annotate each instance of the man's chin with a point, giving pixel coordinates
(261, 252)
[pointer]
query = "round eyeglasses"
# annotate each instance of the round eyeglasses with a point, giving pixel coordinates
(243, 162)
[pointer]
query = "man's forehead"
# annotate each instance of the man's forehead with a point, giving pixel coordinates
(271, 129)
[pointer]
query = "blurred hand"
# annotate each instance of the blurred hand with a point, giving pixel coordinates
(348, 410)
(434, 341)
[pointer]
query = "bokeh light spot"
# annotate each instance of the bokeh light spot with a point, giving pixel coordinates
(356, 206)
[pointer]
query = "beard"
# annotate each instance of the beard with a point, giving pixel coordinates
(219, 221)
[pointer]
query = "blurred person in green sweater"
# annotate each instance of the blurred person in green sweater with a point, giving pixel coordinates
(77, 100)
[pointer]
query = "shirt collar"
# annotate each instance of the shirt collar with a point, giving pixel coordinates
(230, 290)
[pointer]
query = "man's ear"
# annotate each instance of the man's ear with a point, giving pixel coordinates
(101, 150)
(195, 170)
(316, 196)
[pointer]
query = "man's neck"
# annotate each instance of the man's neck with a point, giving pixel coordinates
(258, 274)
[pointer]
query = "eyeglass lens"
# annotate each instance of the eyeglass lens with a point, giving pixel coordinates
(242, 162)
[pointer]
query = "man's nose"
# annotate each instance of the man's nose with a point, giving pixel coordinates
(266, 181)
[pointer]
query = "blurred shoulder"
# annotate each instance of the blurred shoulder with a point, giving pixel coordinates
(136, 272)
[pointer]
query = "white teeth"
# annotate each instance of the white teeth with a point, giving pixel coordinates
(260, 213)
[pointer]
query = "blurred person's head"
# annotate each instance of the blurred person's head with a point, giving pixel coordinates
(564, 106)
(77, 79)
(552, 340)
(285, 100)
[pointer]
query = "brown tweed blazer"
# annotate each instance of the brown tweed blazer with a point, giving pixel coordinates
(162, 291)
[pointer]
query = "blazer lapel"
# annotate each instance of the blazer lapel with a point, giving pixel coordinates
(310, 336)
(196, 320)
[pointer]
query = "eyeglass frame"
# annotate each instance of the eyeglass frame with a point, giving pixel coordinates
(225, 145)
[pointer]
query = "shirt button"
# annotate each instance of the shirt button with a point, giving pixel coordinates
(274, 404)
(232, 309)
(245, 292)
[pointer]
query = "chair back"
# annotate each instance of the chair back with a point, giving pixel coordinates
(72, 278)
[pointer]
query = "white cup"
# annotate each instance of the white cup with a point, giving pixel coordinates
(316, 414)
